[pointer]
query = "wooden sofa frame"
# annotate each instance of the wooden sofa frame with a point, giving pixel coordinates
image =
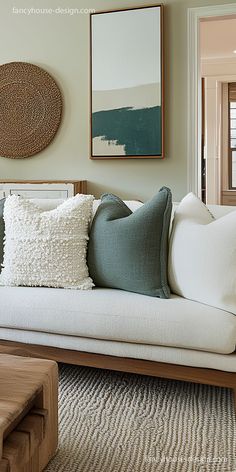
(214, 377)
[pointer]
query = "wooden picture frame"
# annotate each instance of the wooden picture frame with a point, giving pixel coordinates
(127, 83)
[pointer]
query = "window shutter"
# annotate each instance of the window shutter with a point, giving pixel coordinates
(232, 92)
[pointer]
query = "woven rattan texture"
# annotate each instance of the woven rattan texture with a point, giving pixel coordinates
(30, 109)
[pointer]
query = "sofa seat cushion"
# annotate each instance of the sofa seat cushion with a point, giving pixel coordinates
(168, 355)
(117, 315)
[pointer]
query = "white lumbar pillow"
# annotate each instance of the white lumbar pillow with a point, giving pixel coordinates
(47, 248)
(202, 255)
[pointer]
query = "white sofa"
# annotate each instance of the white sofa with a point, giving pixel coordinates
(113, 328)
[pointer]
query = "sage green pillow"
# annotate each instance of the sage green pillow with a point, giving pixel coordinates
(2, 231)
(128, 250)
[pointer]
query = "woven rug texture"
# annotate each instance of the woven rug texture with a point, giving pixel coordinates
(118, 422)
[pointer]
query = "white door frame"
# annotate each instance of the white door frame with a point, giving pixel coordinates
(194, 90)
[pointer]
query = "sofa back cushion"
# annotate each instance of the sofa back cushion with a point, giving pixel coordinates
(50, 204)
(202, 255)
(128, 250)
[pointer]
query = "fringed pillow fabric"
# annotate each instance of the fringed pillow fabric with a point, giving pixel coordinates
(47, 248)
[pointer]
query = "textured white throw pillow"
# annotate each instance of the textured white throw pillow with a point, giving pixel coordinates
(47, 248)
(202, 255)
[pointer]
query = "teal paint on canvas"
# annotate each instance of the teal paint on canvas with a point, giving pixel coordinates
(138, 130)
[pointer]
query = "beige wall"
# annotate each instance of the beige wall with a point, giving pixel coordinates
(60, 44)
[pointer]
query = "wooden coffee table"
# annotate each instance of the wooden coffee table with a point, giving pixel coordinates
(28, 413)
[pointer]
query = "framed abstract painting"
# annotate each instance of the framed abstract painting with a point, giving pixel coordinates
(127, 107)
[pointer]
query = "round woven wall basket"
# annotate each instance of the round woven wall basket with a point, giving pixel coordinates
(30, 109)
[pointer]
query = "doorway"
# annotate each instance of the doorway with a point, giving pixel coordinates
(212, 103)
(218, 76)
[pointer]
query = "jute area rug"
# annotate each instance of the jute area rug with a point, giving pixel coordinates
(115, 422)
